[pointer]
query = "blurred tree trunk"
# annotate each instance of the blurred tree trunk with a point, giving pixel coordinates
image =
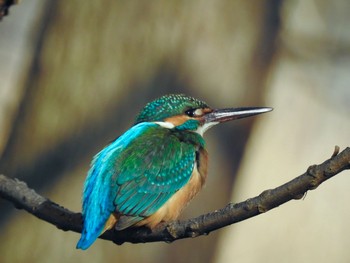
(309, 88)
(97, 64)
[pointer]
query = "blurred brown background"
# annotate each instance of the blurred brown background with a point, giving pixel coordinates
(74, 75)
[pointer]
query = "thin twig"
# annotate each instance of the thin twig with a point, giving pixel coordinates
(23, 197)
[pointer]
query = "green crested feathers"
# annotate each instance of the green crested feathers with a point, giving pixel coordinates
(174, 104)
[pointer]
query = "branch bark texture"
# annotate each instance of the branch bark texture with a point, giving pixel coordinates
(23, 197)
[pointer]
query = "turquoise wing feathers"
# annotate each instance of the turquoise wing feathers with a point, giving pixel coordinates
(149, 172)
(134, 175)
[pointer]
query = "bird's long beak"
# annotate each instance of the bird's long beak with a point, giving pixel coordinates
(223, 115)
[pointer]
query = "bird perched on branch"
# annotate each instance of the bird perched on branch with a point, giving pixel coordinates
(151, 172)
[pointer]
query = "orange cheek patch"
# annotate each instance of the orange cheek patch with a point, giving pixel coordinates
(177, 120)
(207, 110)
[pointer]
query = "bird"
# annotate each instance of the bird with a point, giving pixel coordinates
(150, 173)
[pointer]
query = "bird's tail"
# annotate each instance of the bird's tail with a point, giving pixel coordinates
(89, 237)
(86, 240)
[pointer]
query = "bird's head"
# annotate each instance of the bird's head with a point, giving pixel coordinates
(181, 112)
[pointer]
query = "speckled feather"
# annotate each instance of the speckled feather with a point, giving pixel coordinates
(175, 104)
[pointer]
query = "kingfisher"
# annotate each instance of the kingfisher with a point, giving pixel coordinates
(151, 172)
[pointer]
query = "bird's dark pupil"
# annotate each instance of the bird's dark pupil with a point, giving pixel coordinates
(190, 112)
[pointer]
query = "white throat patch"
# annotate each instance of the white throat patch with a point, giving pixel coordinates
(202, 129)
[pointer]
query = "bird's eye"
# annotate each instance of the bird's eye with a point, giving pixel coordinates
(190, 112)
(194, 112)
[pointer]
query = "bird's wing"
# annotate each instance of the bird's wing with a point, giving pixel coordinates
(134, 175)
(149, 171)
(99, 189)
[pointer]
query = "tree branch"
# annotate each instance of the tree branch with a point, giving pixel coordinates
(23, 197)
(5, 6)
